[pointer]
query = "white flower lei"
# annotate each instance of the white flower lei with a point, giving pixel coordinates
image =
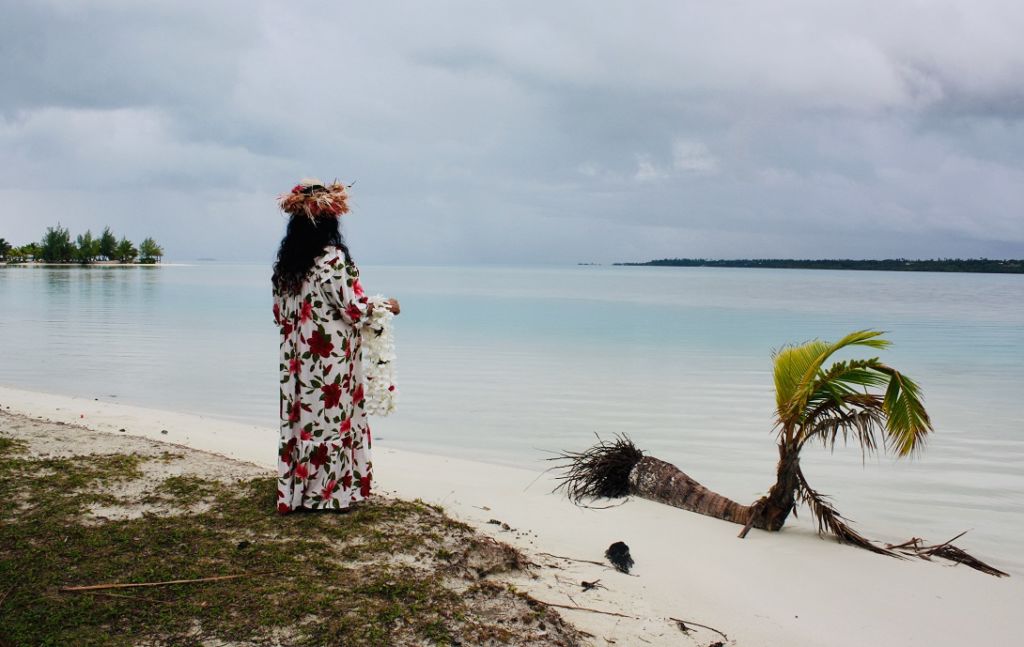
(379, 359)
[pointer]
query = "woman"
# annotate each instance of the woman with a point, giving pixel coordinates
(319, 306)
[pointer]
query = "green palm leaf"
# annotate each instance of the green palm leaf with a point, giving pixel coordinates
(797, 367)
(833, 403)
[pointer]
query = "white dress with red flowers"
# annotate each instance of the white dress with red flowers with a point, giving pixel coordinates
(324, 456)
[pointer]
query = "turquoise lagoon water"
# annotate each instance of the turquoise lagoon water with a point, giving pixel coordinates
(509, 364)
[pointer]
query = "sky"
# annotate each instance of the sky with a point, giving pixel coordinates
(522, 132)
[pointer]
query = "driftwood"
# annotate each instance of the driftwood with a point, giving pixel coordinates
(574, 559)
(587, 609)
(683, 627)
(99, 587)
(121, 596)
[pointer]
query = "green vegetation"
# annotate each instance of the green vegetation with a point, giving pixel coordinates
(860, 401)
(57, 246)
(107, 244)
(982, 265)
(389, 572)
(125, 251)
(150, 252)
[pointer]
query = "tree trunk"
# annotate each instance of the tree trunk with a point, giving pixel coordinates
(654, 479)
(775, 508)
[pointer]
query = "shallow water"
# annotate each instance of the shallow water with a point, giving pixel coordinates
(508, 364)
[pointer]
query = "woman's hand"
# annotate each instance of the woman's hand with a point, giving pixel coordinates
(393, 306)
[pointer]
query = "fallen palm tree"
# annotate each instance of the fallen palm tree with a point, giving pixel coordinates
(863, 401)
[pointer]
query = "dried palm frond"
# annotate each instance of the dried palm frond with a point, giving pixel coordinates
(915, 547)
(600, 471)
(312, 198)
(830, 522)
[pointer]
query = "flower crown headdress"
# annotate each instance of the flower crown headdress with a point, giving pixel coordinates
(313, 199)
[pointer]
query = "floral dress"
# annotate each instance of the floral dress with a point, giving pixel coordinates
(324, 455)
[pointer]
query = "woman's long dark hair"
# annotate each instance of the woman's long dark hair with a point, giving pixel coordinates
(305, 240)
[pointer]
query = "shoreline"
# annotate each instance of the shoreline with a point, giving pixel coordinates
(786, 589)
(95, 264)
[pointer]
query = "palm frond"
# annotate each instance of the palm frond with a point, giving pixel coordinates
(915, 547)
(798, 369)
(830, 522)
(859, 417)
(907, 422)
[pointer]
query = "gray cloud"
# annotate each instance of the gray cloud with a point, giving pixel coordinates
(493, 132)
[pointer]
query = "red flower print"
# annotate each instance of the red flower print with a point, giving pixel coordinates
(353, 312)
(318, 344)
(319, 456)
(286, 452)
(391, 388)
(325, 444)
(332, 395)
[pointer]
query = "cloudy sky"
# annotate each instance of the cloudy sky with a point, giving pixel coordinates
(522, 132)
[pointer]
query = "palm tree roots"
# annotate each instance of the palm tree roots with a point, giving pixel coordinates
(601, 471)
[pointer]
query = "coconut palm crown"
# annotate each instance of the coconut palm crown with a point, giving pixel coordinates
(862, 400)
(814, 403)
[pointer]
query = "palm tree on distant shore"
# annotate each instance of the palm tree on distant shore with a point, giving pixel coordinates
(5, 248)
(862, 401)
(150, 251)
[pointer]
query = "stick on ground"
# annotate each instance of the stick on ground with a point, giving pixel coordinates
(98, 587)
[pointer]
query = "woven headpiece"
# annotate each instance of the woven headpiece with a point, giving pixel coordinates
(314, 199)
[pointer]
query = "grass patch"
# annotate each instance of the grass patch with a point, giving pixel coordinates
(380, 575)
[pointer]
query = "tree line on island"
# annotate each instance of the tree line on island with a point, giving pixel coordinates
(57, 246)
(981, 265)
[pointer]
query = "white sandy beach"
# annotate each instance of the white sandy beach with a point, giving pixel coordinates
(788, 589)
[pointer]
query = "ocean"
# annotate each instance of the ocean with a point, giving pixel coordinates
(513, 364)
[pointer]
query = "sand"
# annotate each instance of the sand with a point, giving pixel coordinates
(788, 589)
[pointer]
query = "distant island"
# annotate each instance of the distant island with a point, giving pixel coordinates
(978, 265)
(58, 247)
